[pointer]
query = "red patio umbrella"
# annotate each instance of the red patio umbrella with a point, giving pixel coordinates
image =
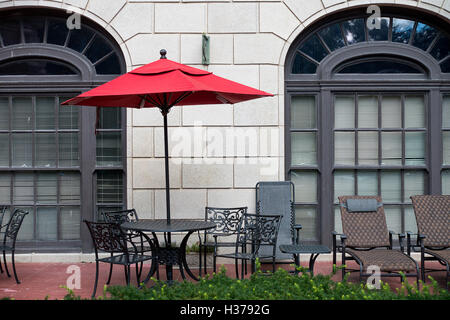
(164, 84)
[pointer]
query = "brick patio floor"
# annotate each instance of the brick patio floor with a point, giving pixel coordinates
(41, 280)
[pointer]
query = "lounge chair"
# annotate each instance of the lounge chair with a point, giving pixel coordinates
(433, 226)
(367, 240)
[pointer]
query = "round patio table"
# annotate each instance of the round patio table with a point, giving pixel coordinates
(168, 255)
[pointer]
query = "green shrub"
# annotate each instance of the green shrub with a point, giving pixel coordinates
(278, 286)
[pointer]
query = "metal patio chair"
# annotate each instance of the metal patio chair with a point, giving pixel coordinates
(10, 237)
(367, 240)
(277, 198)
(433, 225)
(2, 232)
(224, 235)
(254, 231)
(110, 238)
(139, 239)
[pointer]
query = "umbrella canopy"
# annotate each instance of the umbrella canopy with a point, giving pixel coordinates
(164, 84)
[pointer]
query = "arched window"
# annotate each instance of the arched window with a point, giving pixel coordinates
(55, 161)
(367, 113)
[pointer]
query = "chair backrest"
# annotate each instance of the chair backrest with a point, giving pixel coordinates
(433, 219)
(258, 231)
(364, 221)
(107, 236)
(14, 224)
(277, 198)
(226, 219)
(121, 216)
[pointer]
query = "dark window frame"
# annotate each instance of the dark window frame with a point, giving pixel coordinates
(325, 83)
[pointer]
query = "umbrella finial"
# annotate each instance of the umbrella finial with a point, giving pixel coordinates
(163, 53)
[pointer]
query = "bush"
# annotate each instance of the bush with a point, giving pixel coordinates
(278, 286)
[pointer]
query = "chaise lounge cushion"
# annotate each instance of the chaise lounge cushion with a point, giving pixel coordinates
(387, 260)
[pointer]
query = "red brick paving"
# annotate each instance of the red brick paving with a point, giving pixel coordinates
(44, 280)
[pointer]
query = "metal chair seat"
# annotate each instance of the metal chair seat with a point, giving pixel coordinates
(122, 259)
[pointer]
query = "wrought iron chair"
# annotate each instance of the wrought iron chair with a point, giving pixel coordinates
(254, 231)
(2, 215)
(227, 221)
(367, 240)
(10, 237)
(433, 225)
(110, 238)
(139, 239)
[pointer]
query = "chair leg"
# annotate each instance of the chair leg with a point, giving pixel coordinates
(215, 260)
(138, 273)
(236, 265)
(6, 266)
(127, 272)
(14, 266)
(96, 279)
(110, 271)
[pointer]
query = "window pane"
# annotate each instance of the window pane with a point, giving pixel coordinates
(47, 224)
(368, 112)
(314, 48)
(391, 186)
(45, 150)
(33, 29)
(424, 36)
(415, 148)
(23, 188)
(414, 112)
(445, 66)
(302, 65)
(22, 113)
(446, 112)
(109, 148)
(5, 188)
(354, 30)
(70, 188)
(110, 65)
(4, 150)
(70, 223)
(304, 150)
(332, 36)
(446, 147)
(442, 48)
(410, 220)
(4, 114)
(69, 155)
(303, 112)
(109, 187)
(57, 32)
(37, 67)
(10, 32)
(22, 150)
(98, 49)
(344, 184)
(46, 186)
(307, 217)
(391, 148)
(79, 38)
(368, 148)
(414, 184)
(391, 112)
(68, 115)
(344, 148)
(393, 218)
(379, 67)
(344, 112)
(401, 30)
(446, 182)
(45, 113)
(110, 118)
(26, 231)
(380, 34)
(337, 220)
(305, 183)
(367, 183)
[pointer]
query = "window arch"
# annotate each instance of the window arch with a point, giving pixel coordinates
(57, 162)
(367, 112)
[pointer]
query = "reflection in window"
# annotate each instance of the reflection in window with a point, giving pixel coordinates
(348, 32)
